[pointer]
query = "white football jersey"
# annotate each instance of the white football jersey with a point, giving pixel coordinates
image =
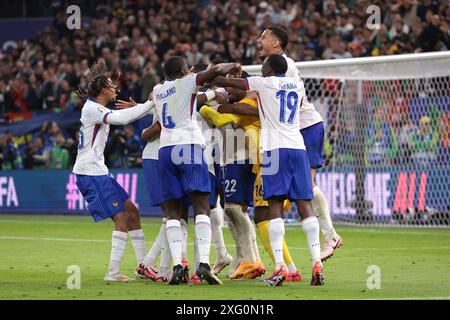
(207, 131)
(279, 101)
(309, 115)
(176, 105)
(151, 148)
(92, 141)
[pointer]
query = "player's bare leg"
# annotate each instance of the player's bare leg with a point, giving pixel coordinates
(276, 236)
(200, 203)
(310, 225)
(119, 245)
(331, 239)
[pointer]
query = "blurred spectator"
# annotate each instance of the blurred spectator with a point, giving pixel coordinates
(434, 36)
(132, 147)
(36, 156)
(9, 155)
(59, 158)
(424, 143)
(406, 131)
(134, 39)
(42, 73)
(381, 141)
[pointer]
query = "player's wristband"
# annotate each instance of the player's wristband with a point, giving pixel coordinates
(210, 94)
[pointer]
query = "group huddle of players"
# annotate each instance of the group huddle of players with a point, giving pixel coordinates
(221, 141)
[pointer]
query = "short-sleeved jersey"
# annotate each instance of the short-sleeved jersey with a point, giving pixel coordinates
(309, 115)
(175, 102)
(207, 131)
(92, 141)
(279, 102)
(151, 148)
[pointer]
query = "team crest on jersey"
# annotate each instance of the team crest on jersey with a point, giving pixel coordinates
(115, 204)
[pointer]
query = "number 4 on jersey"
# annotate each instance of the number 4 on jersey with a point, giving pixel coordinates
(167, 120)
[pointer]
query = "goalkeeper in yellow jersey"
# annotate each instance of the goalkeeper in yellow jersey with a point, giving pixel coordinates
(245, 115)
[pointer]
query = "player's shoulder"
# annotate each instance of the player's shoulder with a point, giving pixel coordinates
(158, 86)
(91, 106)
(288, 59)
(257, 79)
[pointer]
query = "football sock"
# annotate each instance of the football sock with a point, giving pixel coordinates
(119, 244)
(243, 230)
(216, 216)
(263, 230)
(138, 242)
(173, 231)
(166, 256)
(252, 231)
(276, 234)
(238, 252)
(184, 237)
(155, 249)
(196, 256)
(311, 227)
(320, 207)
(203, 237)
(288, 258)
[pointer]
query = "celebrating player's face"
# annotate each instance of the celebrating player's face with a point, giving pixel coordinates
(266, 42)
(110, 91)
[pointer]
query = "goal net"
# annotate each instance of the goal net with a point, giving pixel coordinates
(387, 143)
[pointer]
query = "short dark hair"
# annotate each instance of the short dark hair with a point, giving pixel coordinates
(198, 67)
(174, 66)
(277, 63)
(281, 34)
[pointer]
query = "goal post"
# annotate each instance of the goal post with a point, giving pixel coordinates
(387, 144)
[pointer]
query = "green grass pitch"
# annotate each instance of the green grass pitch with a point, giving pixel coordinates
(36, 251)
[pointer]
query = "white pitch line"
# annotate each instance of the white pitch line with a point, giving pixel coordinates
(409, 298)
(415, 233)
(52, 239)
(191, 243)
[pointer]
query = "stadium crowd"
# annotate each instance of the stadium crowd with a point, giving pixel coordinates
(42, 74)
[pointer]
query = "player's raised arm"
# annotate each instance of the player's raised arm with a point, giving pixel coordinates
(218, 94)
(237, 83)
(222, 69)
(215, 118)
(126, 116)
(239, 108)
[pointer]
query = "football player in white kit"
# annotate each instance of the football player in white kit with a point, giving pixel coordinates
(273, 41)
(223, 258)
(285, 167)
(105, 197)
(182, 166)
(160, 245)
